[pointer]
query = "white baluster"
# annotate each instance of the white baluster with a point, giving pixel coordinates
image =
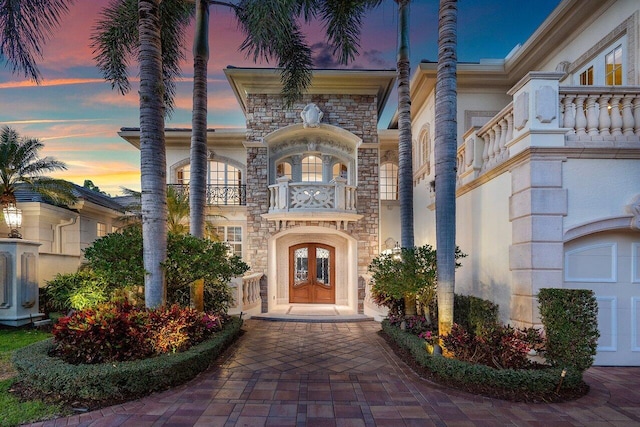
(509, 127)
(492, 147)
(627, 115)
(485, 149)
(503, 137)
(592, 116)
(604, 120)
(616, 117)
(569, 116)
(636, 115)
(581, 118)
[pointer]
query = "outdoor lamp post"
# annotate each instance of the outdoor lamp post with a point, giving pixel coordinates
(13, 218)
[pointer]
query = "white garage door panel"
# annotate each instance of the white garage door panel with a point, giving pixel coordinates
(609, 264)
(607, 324)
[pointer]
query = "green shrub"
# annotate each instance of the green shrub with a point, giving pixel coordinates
(534, 384)
(121, 331)
(570, 319)
(117, 258)
(117, 380)
(474, 314)
(413, 274)
(74, 291)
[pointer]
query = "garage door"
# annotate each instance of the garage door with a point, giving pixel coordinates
(609, 264)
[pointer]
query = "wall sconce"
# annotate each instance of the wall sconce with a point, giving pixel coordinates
(13, 218)
(397, 252)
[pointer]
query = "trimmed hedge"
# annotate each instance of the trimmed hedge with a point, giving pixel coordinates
(535, 384)
(570, 319)
(118, 380)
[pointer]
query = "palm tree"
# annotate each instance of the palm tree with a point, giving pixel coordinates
(20, 164)
(405, 162)
(25, 25)
(445, 159)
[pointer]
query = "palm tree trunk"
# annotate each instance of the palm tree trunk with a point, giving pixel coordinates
(152, 153)
(405, 167)
(445, 159)
(198, 178)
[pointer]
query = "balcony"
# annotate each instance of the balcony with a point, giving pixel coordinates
(218, 195)
(312, 201)
(553, 119)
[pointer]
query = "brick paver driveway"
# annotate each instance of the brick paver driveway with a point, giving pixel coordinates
(344, 374)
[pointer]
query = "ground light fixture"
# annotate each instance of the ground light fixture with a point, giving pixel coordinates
(13, 218)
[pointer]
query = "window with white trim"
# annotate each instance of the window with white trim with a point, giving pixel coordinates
(232, 235)
(101, 229)
(606, 68)
(388, 181)
(311, 169)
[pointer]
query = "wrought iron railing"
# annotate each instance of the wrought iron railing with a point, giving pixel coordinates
(220, 194)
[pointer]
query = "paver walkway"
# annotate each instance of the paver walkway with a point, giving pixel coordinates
(344, 374)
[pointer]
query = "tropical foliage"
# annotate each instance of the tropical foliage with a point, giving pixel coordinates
(117, 258)
(117, 332)
(25, 25)
(20, 163)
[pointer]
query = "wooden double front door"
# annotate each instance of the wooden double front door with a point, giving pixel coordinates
(312, 274)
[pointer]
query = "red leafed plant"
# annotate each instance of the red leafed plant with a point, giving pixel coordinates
(501, 346)
(121, 331)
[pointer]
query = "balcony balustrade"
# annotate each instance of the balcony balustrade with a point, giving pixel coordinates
(587, 116)
(335, 196)
(218, 195)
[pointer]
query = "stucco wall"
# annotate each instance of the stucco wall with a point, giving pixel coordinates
(599, 189)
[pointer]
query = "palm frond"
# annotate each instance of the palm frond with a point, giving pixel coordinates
(115, 42)
(25, 25)
(272, 32)
(57, 191)
(343, 22)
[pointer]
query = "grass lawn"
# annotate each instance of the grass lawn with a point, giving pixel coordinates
(12, 410)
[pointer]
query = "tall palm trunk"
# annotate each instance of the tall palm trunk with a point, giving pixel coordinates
(445, 159)
(198, 178)
(405, 167)
(152, 153)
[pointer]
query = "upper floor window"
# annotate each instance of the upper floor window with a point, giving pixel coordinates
(340, 170)
(605, 69)
(613, 67)
(388, 181)
(311, 169)
(220, 174)
(283, 169)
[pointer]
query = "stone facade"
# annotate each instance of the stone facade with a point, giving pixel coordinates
(357, 114)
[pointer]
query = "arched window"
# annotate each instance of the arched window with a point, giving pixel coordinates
(283, 169)
(340, 170)
(224, 182)
(311, 169)
(389, 181)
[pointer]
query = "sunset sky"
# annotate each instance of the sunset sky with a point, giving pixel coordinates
(77, 116)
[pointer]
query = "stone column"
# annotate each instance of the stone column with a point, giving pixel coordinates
(537, 206)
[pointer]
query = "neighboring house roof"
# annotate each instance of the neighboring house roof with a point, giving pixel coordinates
(25, 194)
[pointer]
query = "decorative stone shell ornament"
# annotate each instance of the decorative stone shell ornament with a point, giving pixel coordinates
(311, 116)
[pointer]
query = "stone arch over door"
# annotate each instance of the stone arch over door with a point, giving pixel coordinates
(346, 260)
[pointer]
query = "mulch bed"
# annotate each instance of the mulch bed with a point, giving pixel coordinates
(564, 395)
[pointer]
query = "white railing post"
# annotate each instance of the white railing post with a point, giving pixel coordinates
(340, 196)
